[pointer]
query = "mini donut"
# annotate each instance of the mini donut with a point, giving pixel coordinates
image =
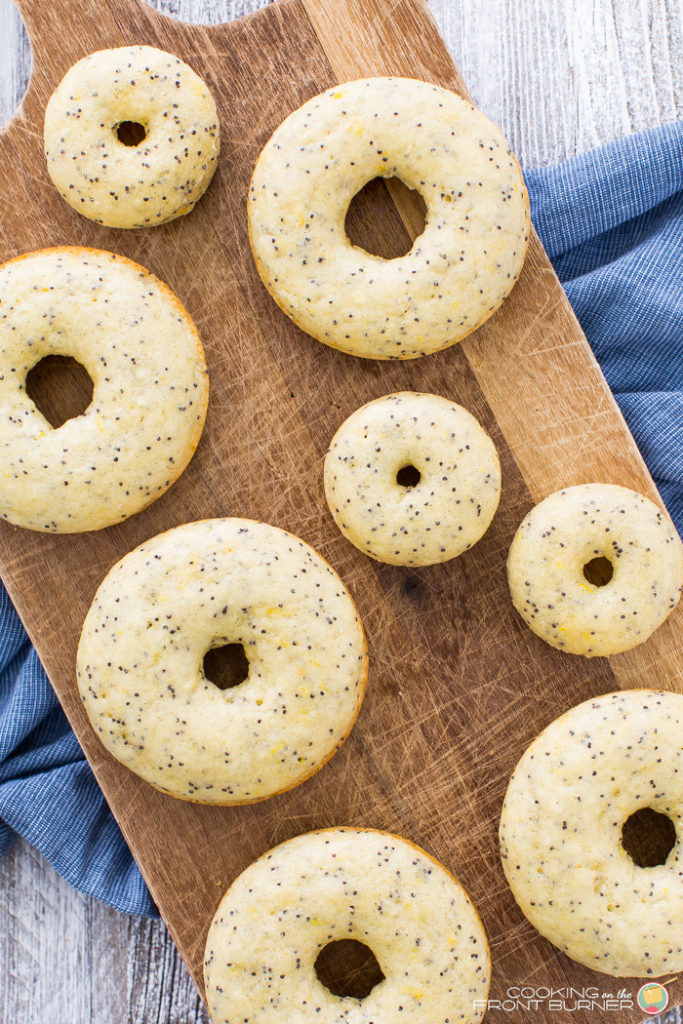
(345, 883)
(561, 833)
(412, 479)
(122, 181)
(205, 585)
(150, 389)
(568, 534)
(457, 272)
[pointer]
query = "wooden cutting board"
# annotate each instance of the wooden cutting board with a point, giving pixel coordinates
(458, 686)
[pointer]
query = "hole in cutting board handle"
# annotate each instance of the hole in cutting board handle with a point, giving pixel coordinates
(217, 12)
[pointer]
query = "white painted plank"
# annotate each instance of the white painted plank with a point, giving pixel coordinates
(68, 959)
(562, 76)
(559, 76)
(15, 59)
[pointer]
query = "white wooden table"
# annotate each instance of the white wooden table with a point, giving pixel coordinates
(559, 77)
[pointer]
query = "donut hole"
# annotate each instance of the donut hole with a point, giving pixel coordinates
(374, 224)
(131, 133)
(599, 571)
(347, 967)
(408, 476)
(226, 666)
(648, 837)
(60, 387)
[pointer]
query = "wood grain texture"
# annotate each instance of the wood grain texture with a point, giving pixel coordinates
(397, 603)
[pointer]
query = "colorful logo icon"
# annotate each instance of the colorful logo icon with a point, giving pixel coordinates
(653, 998)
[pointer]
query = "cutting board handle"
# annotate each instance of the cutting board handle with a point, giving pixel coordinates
(63, 31)
(53, 28)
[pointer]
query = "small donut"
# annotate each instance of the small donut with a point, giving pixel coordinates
(206, 585)
(345, 883)
(595, 569)
(562, 833)
(101, 167)
(150, 389)
(412, 479)
(460, 268)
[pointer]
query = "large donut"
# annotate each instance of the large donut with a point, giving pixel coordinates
(460, 268)
(561, 833)
(412, 479)
(150, 394)
(549, 569)
(205, 585)
(346, 883)
(117, 179)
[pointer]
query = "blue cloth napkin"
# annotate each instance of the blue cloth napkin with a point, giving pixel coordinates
(612, 223)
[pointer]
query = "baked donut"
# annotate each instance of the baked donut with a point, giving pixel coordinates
(562, 833)
(131, 137)
(150, 393)
(460, 268)
(206, 585)
(595, 569)
(346, 883)
(412, 479)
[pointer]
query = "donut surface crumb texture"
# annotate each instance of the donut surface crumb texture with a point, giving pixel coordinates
(561, 544)
(562, 838)
(150, 389)
(336, 884)
(412, 479)
(107, 172)
(458, 270)
(207, 585)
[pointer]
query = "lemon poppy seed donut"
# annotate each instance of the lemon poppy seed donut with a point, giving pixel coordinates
(562, 833)
(346, 883)
(150, 389)
(123, 180)
(554, 564)
(457, 272)
(412, 479)
(202, 586)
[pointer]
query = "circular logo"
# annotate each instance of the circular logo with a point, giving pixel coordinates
(653, 997)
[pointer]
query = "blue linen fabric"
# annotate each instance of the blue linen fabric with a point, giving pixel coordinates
(612, 223)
